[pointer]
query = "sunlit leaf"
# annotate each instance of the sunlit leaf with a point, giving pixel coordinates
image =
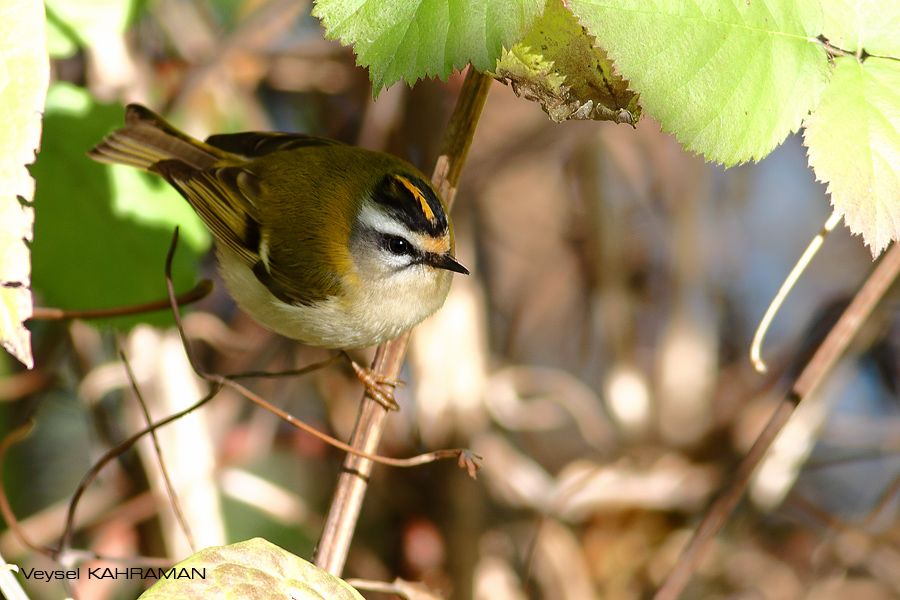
(251, 570)
(559, 65)
(854, 147)
(730, 78)
(24, 76)
(410, 39)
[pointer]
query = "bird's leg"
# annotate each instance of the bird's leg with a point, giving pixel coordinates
(376, 384)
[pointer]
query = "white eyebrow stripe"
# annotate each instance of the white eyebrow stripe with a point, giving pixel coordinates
(380, 222)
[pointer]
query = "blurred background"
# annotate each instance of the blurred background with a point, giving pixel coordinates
(596, 357)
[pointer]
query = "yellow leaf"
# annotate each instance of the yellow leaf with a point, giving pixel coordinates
(854, 147)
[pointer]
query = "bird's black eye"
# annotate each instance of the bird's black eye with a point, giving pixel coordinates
(397, 245)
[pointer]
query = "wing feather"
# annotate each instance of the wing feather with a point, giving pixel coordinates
(220, 202)
(252, 144)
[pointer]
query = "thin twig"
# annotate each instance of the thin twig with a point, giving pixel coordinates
(110, 455)
(198, 292)
(815, 371)
(465, 456)
(72, 555)
(343, 514)
(170, 489)
(289, 372)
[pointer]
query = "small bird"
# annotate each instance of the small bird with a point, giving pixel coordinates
(329, 244)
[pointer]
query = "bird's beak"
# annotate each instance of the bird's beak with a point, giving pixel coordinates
(446, 261)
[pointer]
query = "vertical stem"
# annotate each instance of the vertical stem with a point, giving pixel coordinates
(815, 371)
(340, 523)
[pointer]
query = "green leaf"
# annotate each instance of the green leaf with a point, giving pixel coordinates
(870, 25)
(24, 76)
(854, 147)
(409, 39)
(251, 570)
(730, 78)
(558, 64)
(102, 232)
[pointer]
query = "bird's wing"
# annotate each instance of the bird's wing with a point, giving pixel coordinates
(219, 196)
(252, 144)
(226, 198)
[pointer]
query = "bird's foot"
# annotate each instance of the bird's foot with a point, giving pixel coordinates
(379, 387)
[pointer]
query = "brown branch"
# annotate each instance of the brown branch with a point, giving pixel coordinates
(331, 552)
(812, 375)
(199, 291)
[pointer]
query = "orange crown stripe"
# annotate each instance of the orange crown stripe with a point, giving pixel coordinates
(418, 195)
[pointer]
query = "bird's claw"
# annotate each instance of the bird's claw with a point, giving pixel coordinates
(375, 384)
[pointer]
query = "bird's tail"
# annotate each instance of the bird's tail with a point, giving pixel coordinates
(148, 139)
